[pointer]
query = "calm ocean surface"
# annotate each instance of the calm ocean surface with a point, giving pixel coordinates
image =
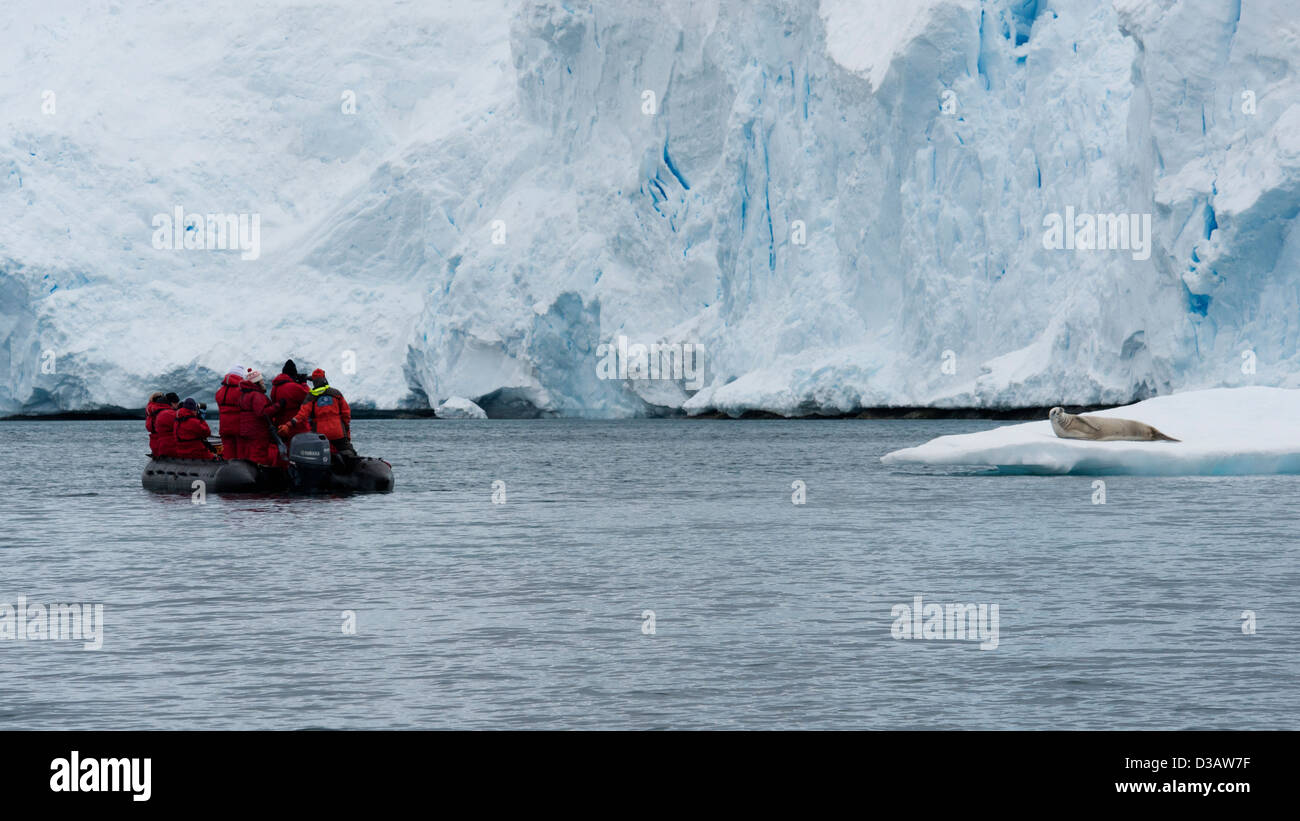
(529, 614)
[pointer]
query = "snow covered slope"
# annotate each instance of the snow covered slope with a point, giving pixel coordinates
(843, 201)
(1224, 431)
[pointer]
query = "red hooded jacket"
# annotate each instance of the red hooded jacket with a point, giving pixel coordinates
(228, 406)
(191, 436)
(254, 412)
(287, 395)
(164, 430)
(151, 412)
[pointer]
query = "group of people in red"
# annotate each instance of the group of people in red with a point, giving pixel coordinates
(176, 428)
(250, 419)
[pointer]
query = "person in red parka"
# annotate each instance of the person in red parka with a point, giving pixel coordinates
(326, 412)
(156, 406)
(287, 393)
(255, 412)
(228, 396)
(164, 427)
(192, 433)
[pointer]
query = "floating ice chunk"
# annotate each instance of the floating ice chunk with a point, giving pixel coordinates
(458, 407)
(1224, 431)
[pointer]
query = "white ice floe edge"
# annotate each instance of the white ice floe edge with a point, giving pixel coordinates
(1224, 432)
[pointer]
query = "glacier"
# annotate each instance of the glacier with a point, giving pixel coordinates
(1222, 432)
(842, 201)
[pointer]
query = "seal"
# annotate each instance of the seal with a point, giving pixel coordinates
(1103, 429)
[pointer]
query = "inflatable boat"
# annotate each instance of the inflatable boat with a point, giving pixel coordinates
(311, 470)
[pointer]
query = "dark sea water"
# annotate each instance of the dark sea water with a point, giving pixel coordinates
(529, 614)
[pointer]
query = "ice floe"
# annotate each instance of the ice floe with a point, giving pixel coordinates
(1224, 432)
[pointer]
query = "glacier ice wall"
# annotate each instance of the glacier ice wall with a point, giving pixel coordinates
(843, 201)
(116, 112)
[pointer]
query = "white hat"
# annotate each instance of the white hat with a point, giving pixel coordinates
(237, 370)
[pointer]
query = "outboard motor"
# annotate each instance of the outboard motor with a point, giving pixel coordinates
(309, 461)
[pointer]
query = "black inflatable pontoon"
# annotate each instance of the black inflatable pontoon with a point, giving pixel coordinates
(311, 470)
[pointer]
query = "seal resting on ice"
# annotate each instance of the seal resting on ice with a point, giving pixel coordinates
(1102, 428)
